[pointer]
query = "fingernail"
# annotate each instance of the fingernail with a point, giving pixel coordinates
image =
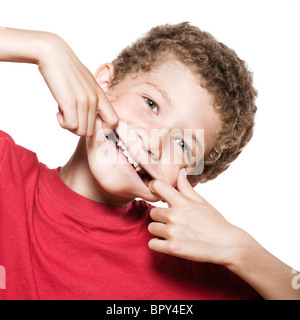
(183, 171)
(149, 186)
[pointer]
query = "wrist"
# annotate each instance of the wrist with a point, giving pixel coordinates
(269, 276)
(46, 46)
(239, 254)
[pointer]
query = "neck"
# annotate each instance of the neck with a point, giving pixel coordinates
(76, 174)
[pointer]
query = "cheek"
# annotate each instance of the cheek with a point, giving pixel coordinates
(127, 107)
(169, 173)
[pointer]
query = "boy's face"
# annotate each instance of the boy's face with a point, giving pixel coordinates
(159, 113)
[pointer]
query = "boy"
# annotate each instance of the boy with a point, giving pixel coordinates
(77, 232)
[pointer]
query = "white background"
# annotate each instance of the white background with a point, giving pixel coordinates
(260, 192)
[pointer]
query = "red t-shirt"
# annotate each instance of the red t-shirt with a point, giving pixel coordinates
(57, 244)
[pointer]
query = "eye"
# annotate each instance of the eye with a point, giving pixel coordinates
(153, 106)
(182, 145)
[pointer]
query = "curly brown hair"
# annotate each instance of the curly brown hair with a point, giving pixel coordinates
(219, 70)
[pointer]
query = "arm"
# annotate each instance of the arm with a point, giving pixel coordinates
(193, 229)
(22, 46)
(265, 273)
(76, 91)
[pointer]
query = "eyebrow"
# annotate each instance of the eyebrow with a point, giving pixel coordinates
(163, 93)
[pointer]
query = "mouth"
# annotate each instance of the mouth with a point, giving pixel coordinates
(137, 167)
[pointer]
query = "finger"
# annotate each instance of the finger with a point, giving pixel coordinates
(165, 191)
(158, 245)
(185, 188)
(110, 97)
(82, 119)
(107, 113)
(70, 120)
(158, 229)
(99, 136)
(60, 118)
(91, 121)
(159, 214)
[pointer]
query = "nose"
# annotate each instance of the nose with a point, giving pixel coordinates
(153, 141)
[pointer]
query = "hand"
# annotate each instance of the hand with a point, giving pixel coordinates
(76, 91)
(190, 228)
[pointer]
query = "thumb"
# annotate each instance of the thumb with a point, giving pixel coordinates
(185, 188)
(110, 97)
(60, 118)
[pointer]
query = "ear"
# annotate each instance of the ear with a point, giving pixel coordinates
(104, 74)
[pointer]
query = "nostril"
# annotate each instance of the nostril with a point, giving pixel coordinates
(140, 137)
(144, 142)
(149, 143)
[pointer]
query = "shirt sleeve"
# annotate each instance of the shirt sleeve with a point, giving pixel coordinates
(19, 170)
(18, 183)
(17, 156)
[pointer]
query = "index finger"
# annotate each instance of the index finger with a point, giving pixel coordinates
(107, 112)
(165, 191)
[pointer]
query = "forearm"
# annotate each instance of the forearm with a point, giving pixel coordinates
(269, 276)
(22, 45)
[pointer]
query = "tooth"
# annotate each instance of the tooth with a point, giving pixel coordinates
(130, 160)
(111, 137)
(125, 153)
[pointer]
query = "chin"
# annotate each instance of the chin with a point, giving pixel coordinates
(117, 183)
